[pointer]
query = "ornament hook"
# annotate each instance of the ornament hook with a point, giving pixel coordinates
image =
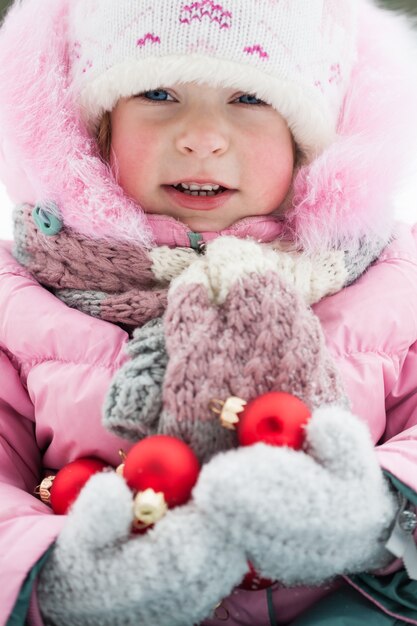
(228, 410)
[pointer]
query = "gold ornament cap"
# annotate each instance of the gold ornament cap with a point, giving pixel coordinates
(44, 489)
(148, 507)
(228, 410)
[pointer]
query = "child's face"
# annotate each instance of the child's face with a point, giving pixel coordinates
(196, 133)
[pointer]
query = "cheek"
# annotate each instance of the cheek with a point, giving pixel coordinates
(273, 164)
(133, 158)
(275, 161)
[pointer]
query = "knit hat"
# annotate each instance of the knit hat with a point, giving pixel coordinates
(295, 55)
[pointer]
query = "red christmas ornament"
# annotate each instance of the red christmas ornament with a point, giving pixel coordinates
(164, 464)
(253, 581)
(69, 481)
(276, 418)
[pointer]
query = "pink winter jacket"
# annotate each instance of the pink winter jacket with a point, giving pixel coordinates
(56, 364)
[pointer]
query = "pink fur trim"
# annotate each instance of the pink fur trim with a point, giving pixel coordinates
(46, 154)
(348, 192)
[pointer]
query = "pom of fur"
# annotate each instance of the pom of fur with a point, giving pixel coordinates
(46, 153)
(348, 192)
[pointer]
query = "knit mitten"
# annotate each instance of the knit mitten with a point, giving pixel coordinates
(101, 575)
(133, 405)
(134, 401)
(235, 327)
(303, 517)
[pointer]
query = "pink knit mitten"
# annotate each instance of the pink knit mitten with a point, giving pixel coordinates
(234, 327)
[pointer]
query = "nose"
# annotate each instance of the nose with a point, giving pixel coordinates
(203, 135)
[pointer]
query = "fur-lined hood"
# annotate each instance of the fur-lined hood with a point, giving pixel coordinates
(345, 194)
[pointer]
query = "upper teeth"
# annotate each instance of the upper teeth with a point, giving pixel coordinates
(195, 187)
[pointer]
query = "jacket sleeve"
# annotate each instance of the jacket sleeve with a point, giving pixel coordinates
(27, 526)
(383, 392)
(398, 448)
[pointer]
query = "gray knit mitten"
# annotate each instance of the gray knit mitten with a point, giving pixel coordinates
(101, 575)
(304, 516)
(134, 401)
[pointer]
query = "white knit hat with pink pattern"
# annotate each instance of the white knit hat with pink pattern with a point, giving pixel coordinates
(296, 55)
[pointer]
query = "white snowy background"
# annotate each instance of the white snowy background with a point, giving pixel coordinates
(5, 214)
(406, 209)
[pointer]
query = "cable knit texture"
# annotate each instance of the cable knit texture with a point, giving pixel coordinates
(112, 281)
(128, 284)
(241, 298)
(236, 324)
(234, 327)
(134, 402)
(168, 263)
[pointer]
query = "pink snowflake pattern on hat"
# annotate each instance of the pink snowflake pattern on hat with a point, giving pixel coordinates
(206, 8)
(148, 37)
(257, 49)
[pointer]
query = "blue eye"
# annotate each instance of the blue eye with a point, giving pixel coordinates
(253, 99)
(156, 95)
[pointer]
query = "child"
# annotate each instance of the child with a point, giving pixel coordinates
(130, 300)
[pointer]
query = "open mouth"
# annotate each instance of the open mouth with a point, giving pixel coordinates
(205, 197)
(205, 191)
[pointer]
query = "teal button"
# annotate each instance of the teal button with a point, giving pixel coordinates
(196, 242)
(47, 223)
